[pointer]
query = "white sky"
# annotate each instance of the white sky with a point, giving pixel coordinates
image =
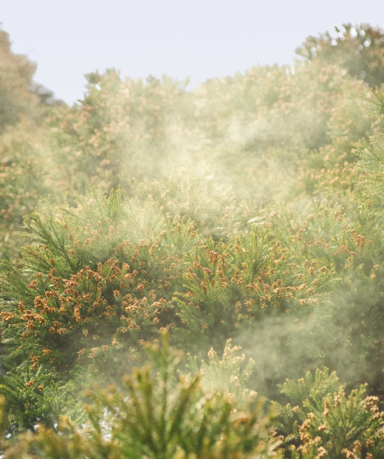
(200, 39)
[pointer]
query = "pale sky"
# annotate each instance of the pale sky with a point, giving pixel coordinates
(199, 39)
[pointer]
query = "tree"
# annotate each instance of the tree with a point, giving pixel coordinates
(16, 73)
(357, 48)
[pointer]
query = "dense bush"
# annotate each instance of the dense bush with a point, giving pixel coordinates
(326, 423)
(250, 208)
(24, 160)
(122, 129)
(158, 412)
(24, 180)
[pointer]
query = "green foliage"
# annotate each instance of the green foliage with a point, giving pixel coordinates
(121, 130)
(159, 414)
(33, 397)
(249, 209)
(228, 374)
(24, 180)
(326, 423)
(371, 153)
(104, 277)
(272, 107)
(357, 48)
(3, 425)
(23, 160)
(93, 292)
(199, 196)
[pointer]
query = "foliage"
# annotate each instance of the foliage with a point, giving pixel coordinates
(93, 292)
(33, 397)
(23, 157)
(16, 98)
(248, 209)
(159, 414)
(228, 374)
(98, 292)
(198, 196)
(121, 130)
(107, 276)
(266, 125)
(24, 180)
(357, 48)
(326, 423)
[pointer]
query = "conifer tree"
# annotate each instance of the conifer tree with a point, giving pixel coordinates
(357, 48)
(16, 98)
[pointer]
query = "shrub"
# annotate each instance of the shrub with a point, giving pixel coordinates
(24, 180)
(326, 423)
(98, 277)
(158, 413)
(121, 130)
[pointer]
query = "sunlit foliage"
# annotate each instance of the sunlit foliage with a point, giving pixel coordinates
(326, 423)
(158, 412)
(248, 209)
